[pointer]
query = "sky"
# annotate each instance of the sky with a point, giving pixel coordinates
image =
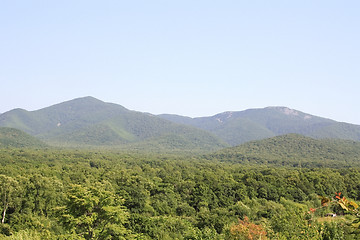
(192, 58)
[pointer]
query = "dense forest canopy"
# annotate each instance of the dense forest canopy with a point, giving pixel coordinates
(82, 194)
(293, 150)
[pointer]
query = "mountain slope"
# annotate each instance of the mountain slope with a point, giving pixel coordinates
(294, 150)
(11, 137)
(255, 124)
(91, 122)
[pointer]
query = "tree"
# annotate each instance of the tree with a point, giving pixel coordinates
(41, 194)
(8, 188)
(247, 230)
(94, 212)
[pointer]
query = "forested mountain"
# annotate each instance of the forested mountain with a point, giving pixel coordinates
(254, 124)
(11, 137)
(91, 122)
(294, 150)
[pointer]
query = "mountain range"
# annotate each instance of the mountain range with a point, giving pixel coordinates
(89, 122)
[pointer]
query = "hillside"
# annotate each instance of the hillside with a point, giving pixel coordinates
(11, 137)
(91, 122)
(255, 124)
(294, 150)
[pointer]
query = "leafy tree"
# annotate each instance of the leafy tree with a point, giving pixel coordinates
(94, 212)
(41, 194)
(246, 230)
(8, 189)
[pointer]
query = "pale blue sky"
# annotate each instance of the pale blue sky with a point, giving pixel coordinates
(193, 58)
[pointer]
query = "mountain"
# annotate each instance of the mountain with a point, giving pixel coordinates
(11, 137)
(90, 122)
(254, 124)
(294, 150)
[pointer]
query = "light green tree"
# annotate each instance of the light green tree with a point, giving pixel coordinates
(95, 212)
(8, 190)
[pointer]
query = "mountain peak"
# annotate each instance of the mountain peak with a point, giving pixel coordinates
(82, 100)
(221, 117)
(292, 112)
(289, 111)
(87, 98)
(83, 104)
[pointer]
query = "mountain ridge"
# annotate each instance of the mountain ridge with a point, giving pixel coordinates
(237, 127)
(88, 121)
(91, 122)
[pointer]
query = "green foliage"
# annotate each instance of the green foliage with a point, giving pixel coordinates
(293, 150)
(23, 235)
(94, 212)
(11, 137)
(81, 194)
(8, 191)
(332, 230)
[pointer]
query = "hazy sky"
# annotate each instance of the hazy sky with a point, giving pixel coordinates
(194, 58)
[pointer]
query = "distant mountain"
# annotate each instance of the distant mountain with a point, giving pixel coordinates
(90, 122)
(294, 150)
(255, 124)
(11, 137)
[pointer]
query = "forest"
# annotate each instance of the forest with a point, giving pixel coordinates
(88, 194)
